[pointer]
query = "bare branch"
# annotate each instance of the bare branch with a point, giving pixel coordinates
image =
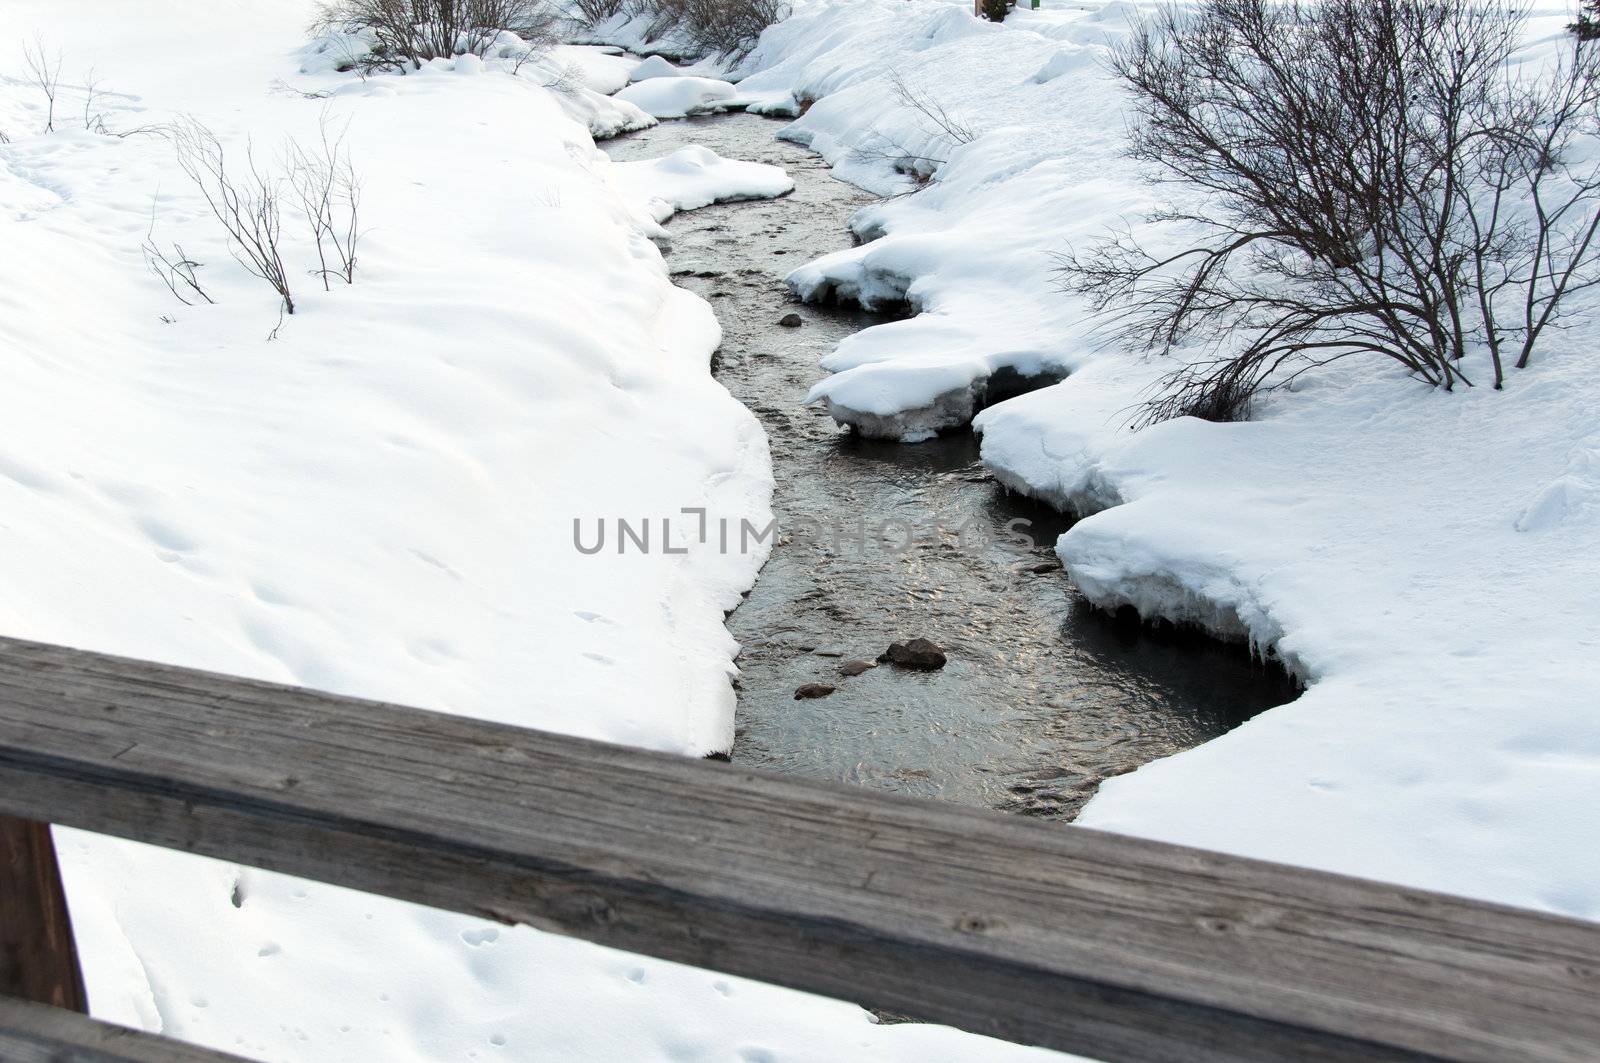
(44, 69)
(176, 270)
(726, 28)
(328, 193)
(407, 33)
(244, 200)
(1376, 179)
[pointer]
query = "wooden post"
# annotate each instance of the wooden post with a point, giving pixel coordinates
(38, 960)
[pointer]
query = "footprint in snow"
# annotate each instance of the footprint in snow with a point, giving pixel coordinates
(478, 938)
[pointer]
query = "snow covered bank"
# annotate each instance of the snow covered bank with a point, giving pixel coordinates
(884, 393)
(654, 66)
(908, 88)
(1425, 560)
(696, 177)
(679, 97)
(381, 502)
(600, 70)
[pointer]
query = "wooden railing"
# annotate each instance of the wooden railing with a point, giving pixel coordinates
(1113, 947)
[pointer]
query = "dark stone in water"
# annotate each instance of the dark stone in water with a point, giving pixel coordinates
(791, 321)
(919, 654)
(850, 668)
(813, 690)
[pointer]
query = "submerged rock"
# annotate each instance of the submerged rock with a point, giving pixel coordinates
(791, 321)
(850, 668)
(813, 690)
(919, 654)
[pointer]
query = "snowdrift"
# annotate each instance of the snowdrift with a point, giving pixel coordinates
(678, 97)
(696, 177)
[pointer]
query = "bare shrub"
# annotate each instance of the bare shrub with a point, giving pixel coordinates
(1374, 179)
(532, 53)
(565, 79)
(411, 32)
(174, 268)
(248, 200)
(725, 28)
(280, 87)
(594, 12)
(44, 70)
(901, 159)
(45, 73)
(730, 28)
(930, 109)
(245, 199)
(94, 119)
(937, 124)
(328, 192)
(661, 17)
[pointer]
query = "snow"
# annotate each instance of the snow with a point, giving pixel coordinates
(378, 502)
(632, 33)
(695, 177)
(654, 66)
(1425, 561)
(977, 314)
(881, 397)
(600, 69)
(302, 972)
(680, 96)
(580, 78)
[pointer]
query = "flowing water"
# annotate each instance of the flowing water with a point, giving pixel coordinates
(1043, 697)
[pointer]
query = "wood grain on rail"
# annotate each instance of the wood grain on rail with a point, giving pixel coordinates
(38, 1033)
(1113, 947)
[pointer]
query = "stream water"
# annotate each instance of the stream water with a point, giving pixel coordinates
(1043, 697)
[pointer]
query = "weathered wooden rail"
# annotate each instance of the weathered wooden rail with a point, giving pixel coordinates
(38, 1033)
(1113, 947)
